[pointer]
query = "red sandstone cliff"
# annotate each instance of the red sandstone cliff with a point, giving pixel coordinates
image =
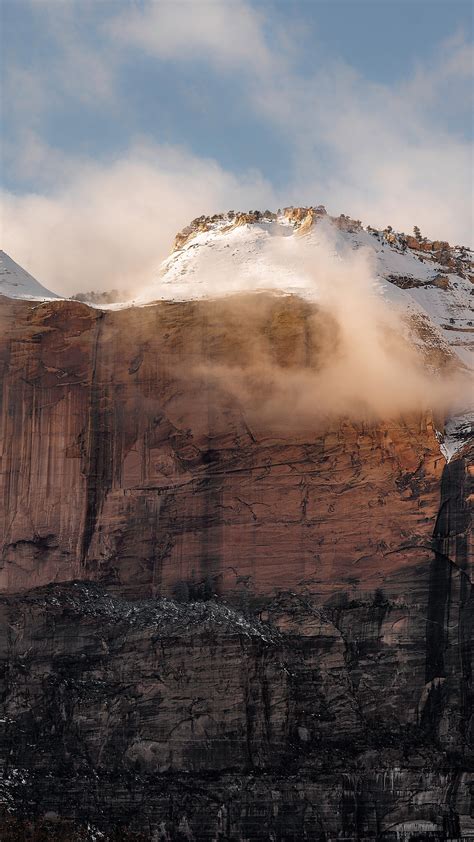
(222, 619)
(348, 690)
(121, 465)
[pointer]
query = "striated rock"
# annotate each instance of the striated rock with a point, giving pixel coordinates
(304, 218)
(217, 624)
(345, 223)
(296, 214)
(405, 281)
(308, 222)
(245, 218)
(188, 232)
(325, 717)
(412, 242)
(409, 282)
(122, 462)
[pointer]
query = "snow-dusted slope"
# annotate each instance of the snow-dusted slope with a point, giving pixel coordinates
(284, 254)
(16, 282)
(429, 284)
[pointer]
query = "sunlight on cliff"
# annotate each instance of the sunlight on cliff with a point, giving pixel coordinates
(345, 352)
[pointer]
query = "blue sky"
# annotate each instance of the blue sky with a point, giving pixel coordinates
(124, 119)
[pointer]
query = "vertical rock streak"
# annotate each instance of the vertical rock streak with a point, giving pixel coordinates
(99, 461)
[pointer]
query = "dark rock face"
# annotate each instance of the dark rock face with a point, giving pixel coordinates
(212, 630)
(158, 716)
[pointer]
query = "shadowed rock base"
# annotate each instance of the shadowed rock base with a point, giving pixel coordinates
(159, 720)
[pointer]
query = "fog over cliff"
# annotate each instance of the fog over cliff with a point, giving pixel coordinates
(357, 356)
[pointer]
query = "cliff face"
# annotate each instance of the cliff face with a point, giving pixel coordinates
(174, 719)
(231, 625)
(123, 462)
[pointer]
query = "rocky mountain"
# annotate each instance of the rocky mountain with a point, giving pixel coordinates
(223, 254)
(233, 609)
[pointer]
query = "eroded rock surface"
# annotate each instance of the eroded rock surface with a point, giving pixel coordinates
(124, 461)
(217, 624)
(317, 720)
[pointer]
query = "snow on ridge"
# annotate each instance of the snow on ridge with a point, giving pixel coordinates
(16, 282)
(223, 255)
(458, 431)
(228, 258)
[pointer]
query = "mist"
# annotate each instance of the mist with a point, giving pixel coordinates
(337, 349)
(109, 226)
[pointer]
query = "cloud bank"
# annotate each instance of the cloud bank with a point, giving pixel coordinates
(387, 154)
(110, 226)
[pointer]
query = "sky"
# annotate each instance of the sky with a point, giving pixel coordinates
(124, 120)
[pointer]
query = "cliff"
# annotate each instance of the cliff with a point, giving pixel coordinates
(222, 618)
(123, 462)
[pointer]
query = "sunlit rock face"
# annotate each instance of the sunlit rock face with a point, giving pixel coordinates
(229, 611)
(125, 460)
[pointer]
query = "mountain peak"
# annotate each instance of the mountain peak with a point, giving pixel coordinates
(295, 250)
(233, 219)
(16, 282)
(302, 218)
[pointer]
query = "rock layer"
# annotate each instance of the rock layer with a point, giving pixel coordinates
(218, 624)
(124, 461)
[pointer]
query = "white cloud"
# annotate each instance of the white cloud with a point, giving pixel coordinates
(229, 33)
(453, 64)
(110, 226)
(385, 153)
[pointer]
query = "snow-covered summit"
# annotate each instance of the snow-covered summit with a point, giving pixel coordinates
(431, 283)
(301, 251)
(16, 282)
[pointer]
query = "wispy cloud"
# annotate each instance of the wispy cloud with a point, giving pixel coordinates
(228, 34)
(111, 225)
(70, 67)
(386, 153)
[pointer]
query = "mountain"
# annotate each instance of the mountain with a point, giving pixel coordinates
(224, 254)
(236, 584)
(16, 282)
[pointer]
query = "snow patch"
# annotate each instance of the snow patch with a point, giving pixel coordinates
(16, 282)
(458, 431)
